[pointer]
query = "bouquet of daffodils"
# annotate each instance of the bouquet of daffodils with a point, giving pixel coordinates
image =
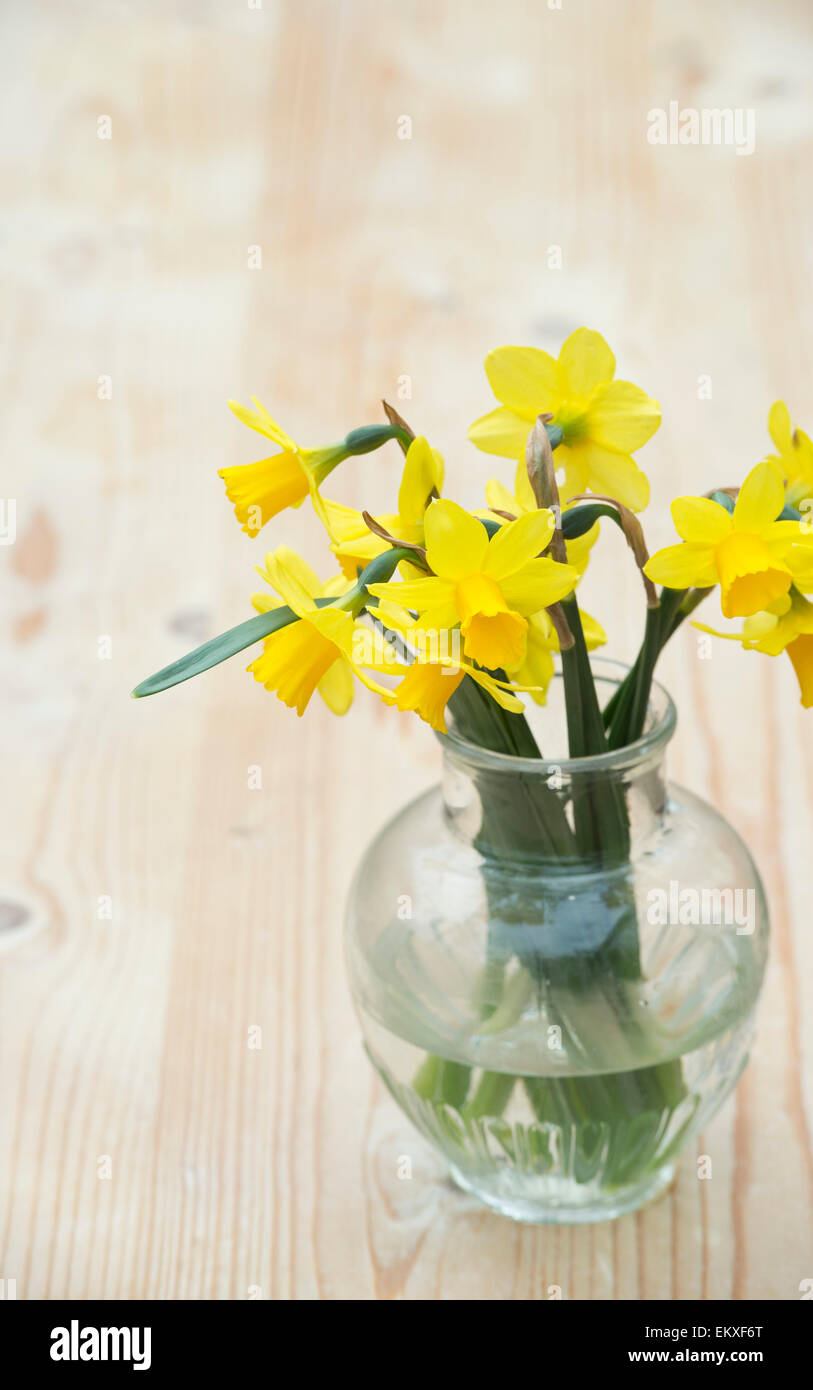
(439, 609)
(434, 606)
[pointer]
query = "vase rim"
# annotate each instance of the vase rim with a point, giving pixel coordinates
(651, 743)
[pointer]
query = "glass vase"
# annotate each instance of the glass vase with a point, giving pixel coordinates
(558, 1012)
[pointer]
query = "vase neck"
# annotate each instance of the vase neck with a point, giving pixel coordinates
(593, 812)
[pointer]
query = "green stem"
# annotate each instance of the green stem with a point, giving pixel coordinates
(625, 713)
(629, 726)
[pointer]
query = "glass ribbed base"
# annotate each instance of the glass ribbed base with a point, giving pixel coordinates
(559, 1203)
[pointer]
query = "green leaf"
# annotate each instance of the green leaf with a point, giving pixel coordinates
(253, 630)
(217, 650)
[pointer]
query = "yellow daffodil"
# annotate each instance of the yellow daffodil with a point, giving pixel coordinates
(536, 671)
(354, 544)
(313, 653)
(486, 585)
(752, 555)
(428, 686)
(602, 420)
(505, 504)
(795, 456)
(435, 674)
(787, 627)
(261, 490)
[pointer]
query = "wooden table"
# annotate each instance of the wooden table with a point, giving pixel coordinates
(155, 905)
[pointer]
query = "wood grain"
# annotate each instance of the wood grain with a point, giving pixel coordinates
(272, 1172)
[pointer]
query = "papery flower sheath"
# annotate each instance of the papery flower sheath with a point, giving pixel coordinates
(602, 420)
(748, 551)
(486, 585)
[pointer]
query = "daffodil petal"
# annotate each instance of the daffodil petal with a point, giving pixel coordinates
(418, 593)
(518, 542)
(782, 534)
(799, 560)
(445, 615)
(779, 426)
(623, 417)
(501, 432)
(336, 624)
(800, 652)
(496, 690)
(616, 475)
(343, 523)
(594, 634)
(537, 585)
(537, 669)
(713, 632)
(423, 472)
(262, 422)
(287, 583)
(500, 498)
(336, 687)
(572, 463)
(760, 500)
(265, 603)
(456, 542)
(339, 584)
(683, 566)
(585, 361)
(525, 379)
(298, 569)
(701, 520)
(522, 485)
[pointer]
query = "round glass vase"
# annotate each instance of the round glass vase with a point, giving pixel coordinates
(556, 1006)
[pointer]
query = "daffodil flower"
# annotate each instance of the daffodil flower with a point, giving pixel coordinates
(602, 420)
(788, 627)
(261, 490)
(501, 502)
(752, 555)
(486, 585)
(795, 456)
(428, 686)
(435, 674)
(354, 544)
(313, 653)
